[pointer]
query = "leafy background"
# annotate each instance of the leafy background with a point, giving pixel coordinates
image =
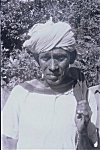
(17, 17)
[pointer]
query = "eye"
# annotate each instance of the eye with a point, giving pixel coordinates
(61, 58)
(45, 58)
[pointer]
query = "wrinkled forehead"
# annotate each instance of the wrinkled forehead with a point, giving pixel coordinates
(54, 51)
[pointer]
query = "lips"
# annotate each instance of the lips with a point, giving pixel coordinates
(52, 77)
(53, 74)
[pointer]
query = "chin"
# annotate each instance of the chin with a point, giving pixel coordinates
(54, 83)
(54, 80)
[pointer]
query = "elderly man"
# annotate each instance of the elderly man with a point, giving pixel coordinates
(53, 113)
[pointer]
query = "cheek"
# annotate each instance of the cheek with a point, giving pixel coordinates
(43, 66)
(64, 64)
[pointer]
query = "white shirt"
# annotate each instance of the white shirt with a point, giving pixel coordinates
(41, 121)
(96, 92)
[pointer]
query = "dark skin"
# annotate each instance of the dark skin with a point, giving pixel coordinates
(55, 67)
(57, 79)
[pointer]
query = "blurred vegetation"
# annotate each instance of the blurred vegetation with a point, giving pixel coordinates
(17, 17)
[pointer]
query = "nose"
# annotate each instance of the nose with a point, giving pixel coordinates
(53, 66)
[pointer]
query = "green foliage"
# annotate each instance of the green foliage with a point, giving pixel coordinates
(17, 18)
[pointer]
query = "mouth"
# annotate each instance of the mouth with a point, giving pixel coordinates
(53, 77)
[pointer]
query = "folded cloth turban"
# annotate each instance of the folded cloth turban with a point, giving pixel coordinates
(44, 37)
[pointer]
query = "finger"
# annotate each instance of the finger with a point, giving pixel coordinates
(78, 116)
(83, 106)
(80, 119)
(81, 109)
(83, 118)
(84, 109)
(78, 92)
(85, 90)
(82, 102)
(84, 112)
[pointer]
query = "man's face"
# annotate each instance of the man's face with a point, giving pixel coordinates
(54, 64)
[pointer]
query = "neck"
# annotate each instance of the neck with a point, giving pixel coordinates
(65, 86)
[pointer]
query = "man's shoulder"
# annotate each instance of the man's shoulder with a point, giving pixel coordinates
(34, 83)
(31, 85)
(37, 86)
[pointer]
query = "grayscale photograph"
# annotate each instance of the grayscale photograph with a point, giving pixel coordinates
(50, 74)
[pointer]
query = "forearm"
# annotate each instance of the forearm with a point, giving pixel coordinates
(83, 142)
(8, 143)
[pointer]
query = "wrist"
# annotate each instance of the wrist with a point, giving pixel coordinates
(83, 132)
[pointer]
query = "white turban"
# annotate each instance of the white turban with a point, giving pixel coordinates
(44, 37)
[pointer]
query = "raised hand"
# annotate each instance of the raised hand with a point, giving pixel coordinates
(82, 116)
